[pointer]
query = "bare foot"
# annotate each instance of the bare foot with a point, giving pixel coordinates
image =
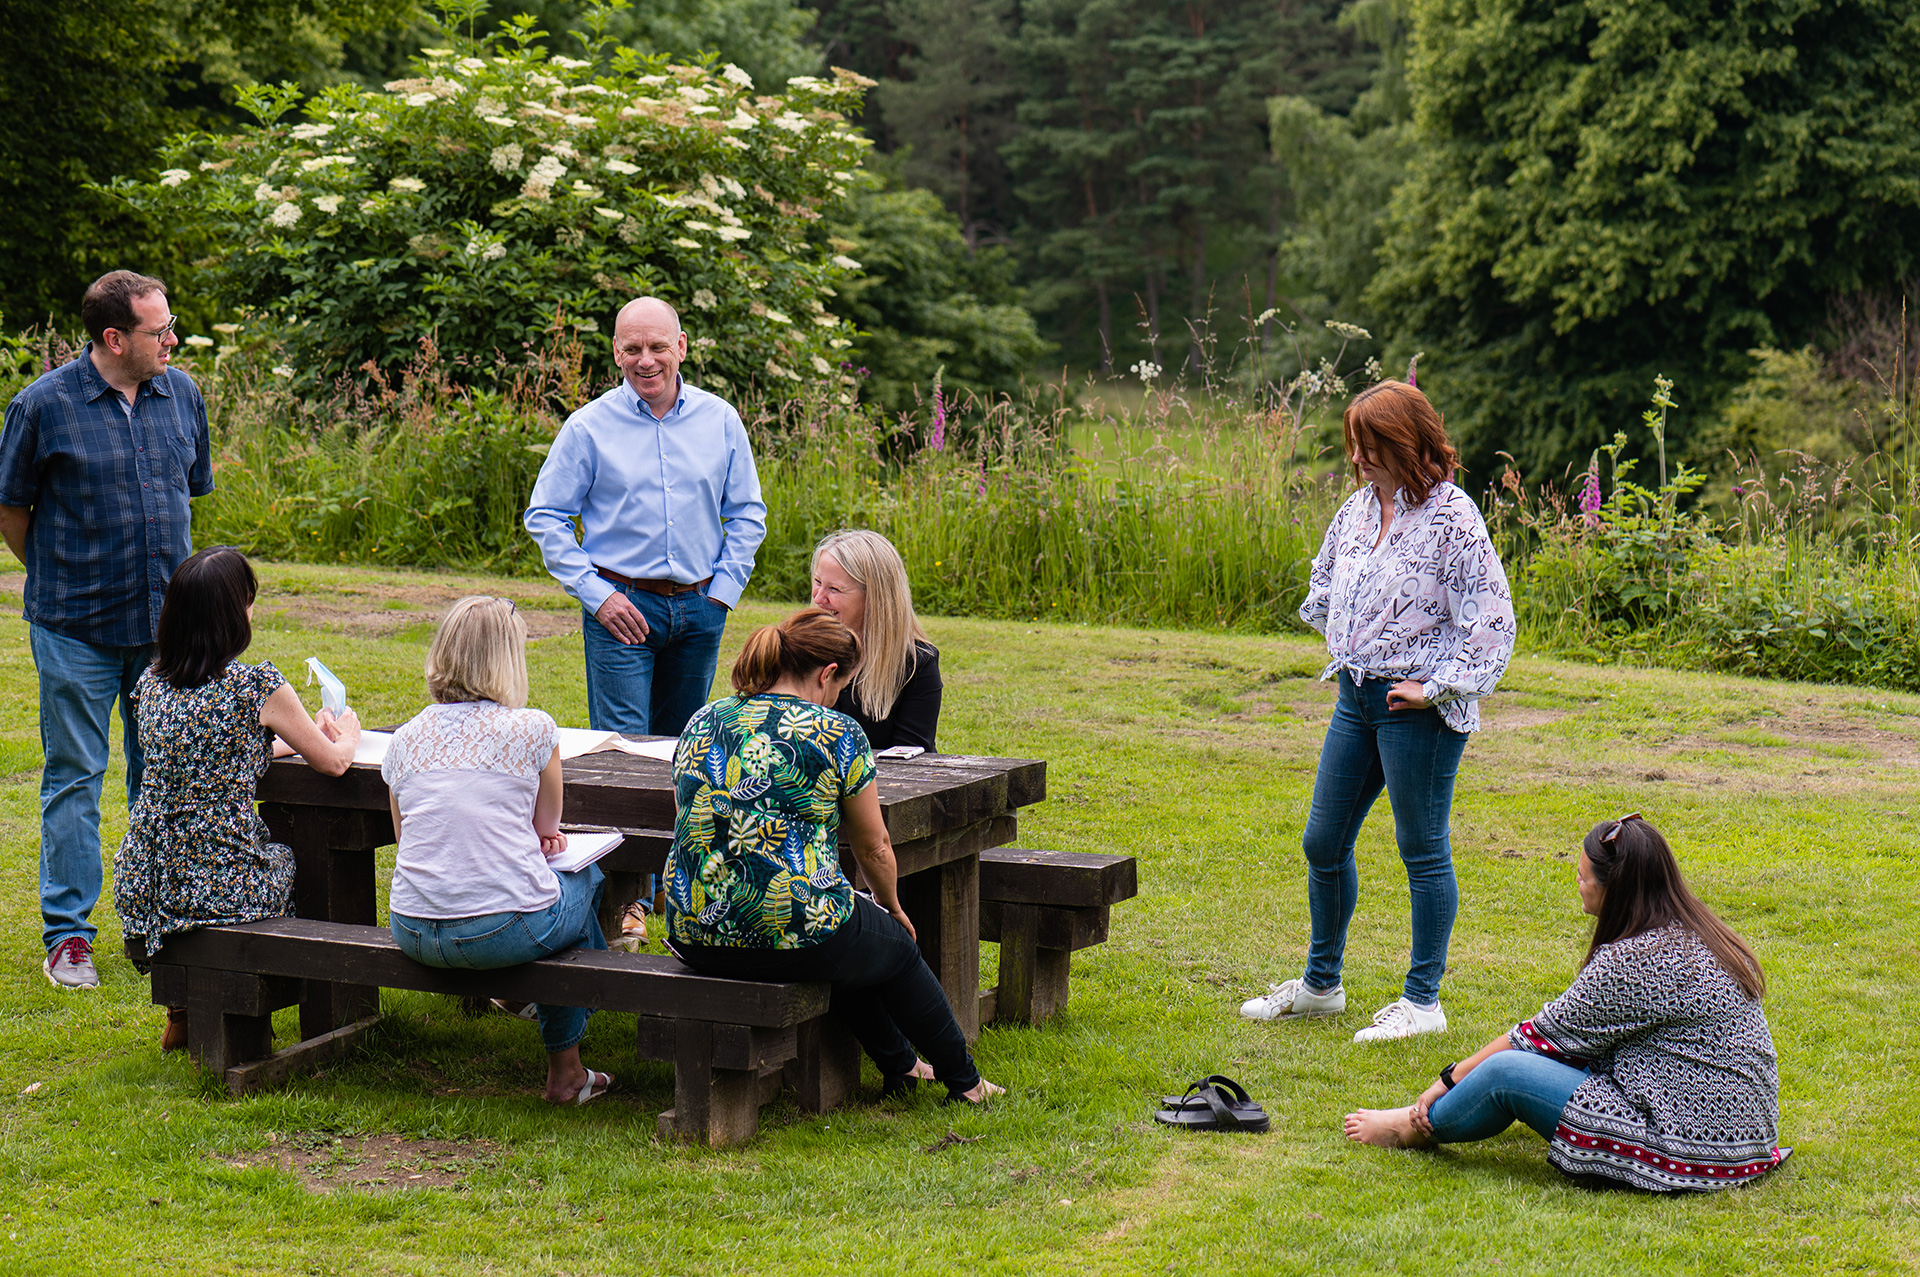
(982, 1091)
(1386, 1128)
(922, 1070)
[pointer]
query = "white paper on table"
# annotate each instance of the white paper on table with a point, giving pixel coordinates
(583, 849)
(575, 741)
(372, 747)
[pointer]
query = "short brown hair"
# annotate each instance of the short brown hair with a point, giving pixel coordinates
(808, 640)
(108, 301)
(480, 654)
(1393, 424)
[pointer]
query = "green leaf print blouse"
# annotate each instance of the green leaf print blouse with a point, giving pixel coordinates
(756, 844)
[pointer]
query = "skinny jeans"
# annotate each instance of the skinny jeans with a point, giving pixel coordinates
(1504, 1088)
(1414, 756)
(491, 940)
(883, 991)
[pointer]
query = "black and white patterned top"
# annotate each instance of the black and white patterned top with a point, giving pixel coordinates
(1683, 1089)
(1431, 603)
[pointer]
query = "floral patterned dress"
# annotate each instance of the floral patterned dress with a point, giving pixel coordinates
(196, 852)
(755, 862)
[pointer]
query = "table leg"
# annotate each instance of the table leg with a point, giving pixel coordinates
(334, 883)
(944, 903)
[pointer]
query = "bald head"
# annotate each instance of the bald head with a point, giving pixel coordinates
(651, 311)
(649, 347)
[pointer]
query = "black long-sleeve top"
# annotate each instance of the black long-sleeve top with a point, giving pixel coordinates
(916, 714)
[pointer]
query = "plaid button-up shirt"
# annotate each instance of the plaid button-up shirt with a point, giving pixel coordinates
(109, 492)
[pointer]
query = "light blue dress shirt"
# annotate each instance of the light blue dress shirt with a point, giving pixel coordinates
(664, 499)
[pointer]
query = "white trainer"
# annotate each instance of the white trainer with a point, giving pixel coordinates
(1402, 1019)
(1291, 999)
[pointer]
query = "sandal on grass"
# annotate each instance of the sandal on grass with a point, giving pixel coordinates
(1232, 1092)
(518, 1010)
(596, 1085)
(1214, 1112)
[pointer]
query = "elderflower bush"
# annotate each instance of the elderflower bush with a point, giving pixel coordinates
(499, 186)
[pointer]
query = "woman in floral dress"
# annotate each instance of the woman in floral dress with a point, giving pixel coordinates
(196, 852)
(1419, 624)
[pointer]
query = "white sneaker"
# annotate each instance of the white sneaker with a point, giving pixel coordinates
(1292, 999)
(1402, 1019)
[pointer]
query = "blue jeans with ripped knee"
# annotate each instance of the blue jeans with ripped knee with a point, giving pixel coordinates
(508, 939)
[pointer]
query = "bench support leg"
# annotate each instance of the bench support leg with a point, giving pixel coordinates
(944, 903)
(1033, 980)
(333, 881)
(711, 1106)
(827, 1071)
(217, 1039)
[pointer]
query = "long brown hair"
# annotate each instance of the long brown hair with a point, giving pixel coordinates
(1393, 424)
(1645, 890)
(806, 641)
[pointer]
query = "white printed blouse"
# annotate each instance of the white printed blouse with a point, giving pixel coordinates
(1430, 603)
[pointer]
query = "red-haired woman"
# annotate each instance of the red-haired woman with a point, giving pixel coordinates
(1419, 624)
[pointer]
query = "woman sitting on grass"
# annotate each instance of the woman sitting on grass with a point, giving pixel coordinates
(1654, 1069)
(196, 852)
(763, 780)
(474, 787)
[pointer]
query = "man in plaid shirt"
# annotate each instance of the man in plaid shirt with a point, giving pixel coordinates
(98, 461)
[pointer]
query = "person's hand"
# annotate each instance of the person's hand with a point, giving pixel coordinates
(900, 916)
(346, 726)
(1407, 694)
(1418, 1114)
(622, 619)
(552, 844)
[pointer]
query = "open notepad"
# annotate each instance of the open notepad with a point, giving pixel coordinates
(583, 849)
(574, 741)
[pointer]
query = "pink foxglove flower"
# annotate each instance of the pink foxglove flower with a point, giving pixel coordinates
(939, 440)
(1590, 496)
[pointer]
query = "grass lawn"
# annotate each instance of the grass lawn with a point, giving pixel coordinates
(1791, 807)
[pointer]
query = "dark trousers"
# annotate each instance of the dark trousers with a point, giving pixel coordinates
(883, 991)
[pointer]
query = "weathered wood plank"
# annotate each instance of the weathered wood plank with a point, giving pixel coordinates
(1033, 980)
(944, 903)
(1070, 879)
(825, 1072)
(1068, 929)
(301, 1057)
(646, 983)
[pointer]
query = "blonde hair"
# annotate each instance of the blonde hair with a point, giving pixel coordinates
(891, 629)
(808, 640)
(480, 654)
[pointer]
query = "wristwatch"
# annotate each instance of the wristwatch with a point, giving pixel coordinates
(1446, 1077)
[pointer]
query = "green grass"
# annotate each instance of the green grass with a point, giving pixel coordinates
(1194, 752)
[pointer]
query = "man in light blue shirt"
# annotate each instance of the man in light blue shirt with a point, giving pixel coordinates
(661, 477)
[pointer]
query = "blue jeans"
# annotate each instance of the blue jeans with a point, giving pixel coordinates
(79, 683)
(494, 940)
(1504, 1088)
(653, 688)
(1414, 756)
(883, 991)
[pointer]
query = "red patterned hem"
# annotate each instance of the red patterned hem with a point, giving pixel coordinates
(1720, 1173)
(1539, 1043)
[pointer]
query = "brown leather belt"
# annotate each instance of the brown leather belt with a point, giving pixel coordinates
(651, 587)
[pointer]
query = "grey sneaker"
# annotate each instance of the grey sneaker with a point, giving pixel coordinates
(1402, 1019)
(1291, 999)
(70, 965)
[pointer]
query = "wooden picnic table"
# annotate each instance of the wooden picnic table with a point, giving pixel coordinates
(941, 810)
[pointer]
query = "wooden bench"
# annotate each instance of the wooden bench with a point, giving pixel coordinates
(1041, 906)
(733, 1043)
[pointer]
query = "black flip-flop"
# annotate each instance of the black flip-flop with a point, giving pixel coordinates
(1218, 1115)
(1233, 1093)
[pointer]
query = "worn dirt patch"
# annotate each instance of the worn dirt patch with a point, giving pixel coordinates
(379, 608)
(371, 1164)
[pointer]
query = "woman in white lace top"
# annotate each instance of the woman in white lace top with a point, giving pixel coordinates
(1419, 624)
(474, 786)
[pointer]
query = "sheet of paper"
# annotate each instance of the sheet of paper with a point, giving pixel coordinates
(576, 741)
(583, 849)
(372, 747)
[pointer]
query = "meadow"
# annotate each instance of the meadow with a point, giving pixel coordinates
(429, 1150)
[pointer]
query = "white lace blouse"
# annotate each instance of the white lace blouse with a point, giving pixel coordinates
(465, 777)
(1430, 603)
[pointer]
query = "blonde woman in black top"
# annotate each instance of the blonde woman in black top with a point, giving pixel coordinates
(859, 579)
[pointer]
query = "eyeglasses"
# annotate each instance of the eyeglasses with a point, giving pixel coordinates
(158, 334)
(1613, 831)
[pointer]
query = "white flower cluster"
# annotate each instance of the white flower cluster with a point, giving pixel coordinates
(704, 298)
(319, 162)
(738, 76)
(308, 132)
(1348, 332)
(173, 176)
(546, 172)
(623, 168)
(1147, 370)
(505, 159)
(285, 215)
(328, 204)
(844, 262)
(406, 184)
(486, 251)
(489, 106)
(199, 341)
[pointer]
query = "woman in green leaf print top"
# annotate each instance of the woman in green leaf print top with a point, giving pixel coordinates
(764, 779)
